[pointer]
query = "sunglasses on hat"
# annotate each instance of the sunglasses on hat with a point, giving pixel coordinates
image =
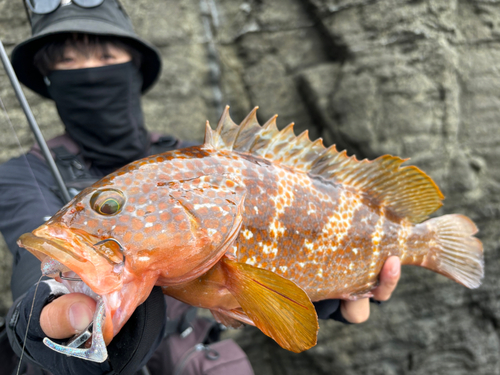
(48, 6)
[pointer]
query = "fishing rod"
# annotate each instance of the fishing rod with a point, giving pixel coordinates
(33, 124)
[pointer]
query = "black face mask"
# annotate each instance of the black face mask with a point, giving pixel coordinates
(101, 110)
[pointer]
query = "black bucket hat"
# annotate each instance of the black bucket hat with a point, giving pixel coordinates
(109, 18)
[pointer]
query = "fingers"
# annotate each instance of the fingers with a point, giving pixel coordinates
(389, 277)
(355, 311)
(67, 315)
(359, 311)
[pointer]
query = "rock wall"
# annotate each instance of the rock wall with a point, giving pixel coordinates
(415, 78)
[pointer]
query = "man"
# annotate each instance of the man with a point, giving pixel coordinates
(85, 56)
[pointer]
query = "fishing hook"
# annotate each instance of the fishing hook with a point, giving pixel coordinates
(115, 241)
(96, 244)
(68, 278)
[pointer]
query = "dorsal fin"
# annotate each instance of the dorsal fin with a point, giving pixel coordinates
(406, 191)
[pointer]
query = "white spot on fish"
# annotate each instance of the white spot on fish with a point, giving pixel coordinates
(143, 258)
(148, 225)
(247, 234)
(312, 209)
(351, 266)
(355, 251)
(256, 209)
(211, 231)
(207, 205)
(85, 223)
(268, 249)
(265, 249)
(113, 227)
(276, 227)
(302, 264)
(251, 261)
(309, 245)
(283, 268)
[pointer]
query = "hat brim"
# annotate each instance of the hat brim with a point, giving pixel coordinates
(23, 54)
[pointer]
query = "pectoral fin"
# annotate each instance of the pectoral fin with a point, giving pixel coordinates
(277, 306)
(224, 318)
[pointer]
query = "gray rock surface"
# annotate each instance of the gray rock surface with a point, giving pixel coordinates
(416, 78)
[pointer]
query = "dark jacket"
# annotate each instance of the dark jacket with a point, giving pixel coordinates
(28, 196)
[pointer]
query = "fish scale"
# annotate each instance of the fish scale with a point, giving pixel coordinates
(314, 248)
(254, 225)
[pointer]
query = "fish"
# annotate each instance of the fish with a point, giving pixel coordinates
(255, 224)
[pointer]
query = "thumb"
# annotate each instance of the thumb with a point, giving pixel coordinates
(67, 315)
(389, 277)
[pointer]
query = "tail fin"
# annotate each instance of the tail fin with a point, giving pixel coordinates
(456, 254)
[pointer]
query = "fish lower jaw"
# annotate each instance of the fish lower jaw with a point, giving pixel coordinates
(75, 286)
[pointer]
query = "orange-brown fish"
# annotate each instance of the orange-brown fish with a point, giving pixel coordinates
(253, 224)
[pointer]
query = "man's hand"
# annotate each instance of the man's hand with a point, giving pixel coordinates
(359, 311)
(67, 315)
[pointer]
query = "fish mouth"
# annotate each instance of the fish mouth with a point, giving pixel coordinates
(73, 260)
(112, 312)
(76, 252)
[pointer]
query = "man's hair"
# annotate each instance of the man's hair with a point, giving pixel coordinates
(53, 51)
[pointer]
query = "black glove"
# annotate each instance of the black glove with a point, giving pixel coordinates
(127, 353)
(330, 309)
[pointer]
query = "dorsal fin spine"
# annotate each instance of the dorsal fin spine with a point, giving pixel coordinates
(265, 136)
(225, 114)
(273, 147)
(247, 121)
(246, 132)
(407, 191)
(226, 129)
(209, 136)
(301, 146)
(288, 144)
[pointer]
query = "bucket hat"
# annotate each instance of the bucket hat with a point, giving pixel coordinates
(109, 18)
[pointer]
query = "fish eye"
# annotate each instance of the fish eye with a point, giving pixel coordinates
(107, 202)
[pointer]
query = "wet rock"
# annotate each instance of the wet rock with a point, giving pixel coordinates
(418, 79)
